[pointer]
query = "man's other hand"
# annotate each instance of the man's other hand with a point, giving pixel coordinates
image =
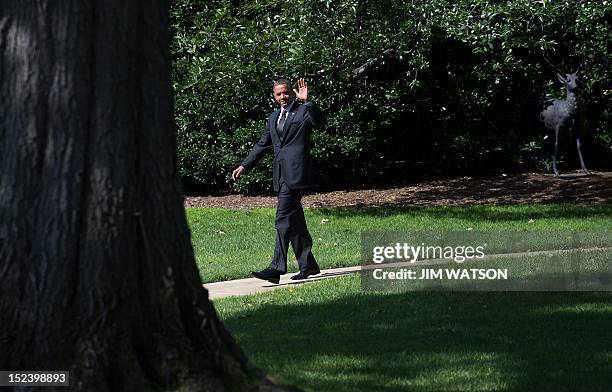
(237, 173)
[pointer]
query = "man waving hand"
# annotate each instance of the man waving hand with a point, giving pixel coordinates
(288, 132)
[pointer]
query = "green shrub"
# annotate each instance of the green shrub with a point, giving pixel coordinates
(461, 89)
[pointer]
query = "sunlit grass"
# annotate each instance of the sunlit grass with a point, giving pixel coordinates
(229, 243)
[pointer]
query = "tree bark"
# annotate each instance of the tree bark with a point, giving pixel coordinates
(97, 272)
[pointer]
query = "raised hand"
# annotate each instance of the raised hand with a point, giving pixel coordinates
(302, 92)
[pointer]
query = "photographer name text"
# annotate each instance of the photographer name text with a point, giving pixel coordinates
(442, 274)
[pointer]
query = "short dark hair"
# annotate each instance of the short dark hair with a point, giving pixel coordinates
(282, 81)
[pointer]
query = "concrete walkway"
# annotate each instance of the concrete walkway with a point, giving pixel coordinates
(250, 286)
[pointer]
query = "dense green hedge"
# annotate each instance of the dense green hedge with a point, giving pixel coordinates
(453, 85)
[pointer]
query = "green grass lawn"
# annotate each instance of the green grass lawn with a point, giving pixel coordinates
(229, 244)
(332, 336)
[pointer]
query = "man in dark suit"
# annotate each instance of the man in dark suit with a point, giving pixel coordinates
(288, 131)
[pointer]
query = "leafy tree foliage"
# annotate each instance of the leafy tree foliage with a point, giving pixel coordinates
(408, 87)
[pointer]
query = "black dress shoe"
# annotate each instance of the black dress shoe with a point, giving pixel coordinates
(305, 274)
(269, 274)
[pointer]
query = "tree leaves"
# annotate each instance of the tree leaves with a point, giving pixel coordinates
(480, 60)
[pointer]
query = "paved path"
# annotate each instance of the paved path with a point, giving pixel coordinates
(253, 285)
(250, 286)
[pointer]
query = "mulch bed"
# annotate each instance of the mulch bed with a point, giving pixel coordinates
(519, 188)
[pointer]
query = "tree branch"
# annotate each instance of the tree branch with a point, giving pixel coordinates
(372, 63)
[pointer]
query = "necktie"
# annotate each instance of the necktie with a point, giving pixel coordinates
(281, 121)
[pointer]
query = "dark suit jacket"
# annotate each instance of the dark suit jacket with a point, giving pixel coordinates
(292, 160)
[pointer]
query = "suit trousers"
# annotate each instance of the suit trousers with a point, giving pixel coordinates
(291, 228)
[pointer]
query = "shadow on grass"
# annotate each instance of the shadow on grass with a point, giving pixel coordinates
(433, 341)
(489, 213)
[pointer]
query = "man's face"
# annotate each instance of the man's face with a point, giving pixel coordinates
(283, 95)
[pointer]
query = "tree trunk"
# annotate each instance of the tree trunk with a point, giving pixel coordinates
(97, 273)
